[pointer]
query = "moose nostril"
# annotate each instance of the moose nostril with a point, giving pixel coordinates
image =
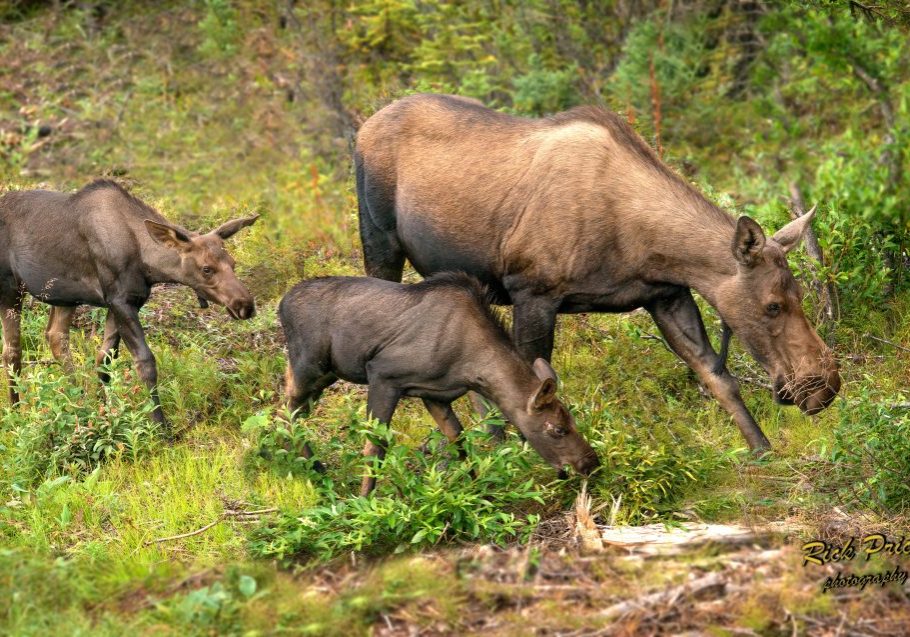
(243, 310)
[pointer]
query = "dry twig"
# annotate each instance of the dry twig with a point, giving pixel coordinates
(239, 516)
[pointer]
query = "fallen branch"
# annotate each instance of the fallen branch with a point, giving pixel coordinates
(658, 540)
(239, 516)
(887, 342)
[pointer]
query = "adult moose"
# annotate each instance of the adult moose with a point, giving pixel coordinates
(102, 246)
(575, 213)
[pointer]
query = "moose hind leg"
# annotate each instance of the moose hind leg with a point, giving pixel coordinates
(10, 317)
(680, 322)
(383, 256)
(382, 399)
(302, 390)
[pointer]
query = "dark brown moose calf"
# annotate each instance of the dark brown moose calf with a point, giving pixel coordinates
(434, 340)
(102, 246)
(575, 213)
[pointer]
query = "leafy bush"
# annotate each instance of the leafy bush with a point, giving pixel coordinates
(211, 609)
(280, 442)
(871, 452)
(646, 475)
(542, 91)
(59, 427)
(418, 502)
(220, 29)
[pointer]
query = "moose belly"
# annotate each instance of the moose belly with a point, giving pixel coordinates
(63, 290)
(432, 249)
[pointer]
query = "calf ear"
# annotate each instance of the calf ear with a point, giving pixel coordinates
(168, 235)
(543, 396)
(229, 229)
(748, 241)
(543, 370)
(791, 234)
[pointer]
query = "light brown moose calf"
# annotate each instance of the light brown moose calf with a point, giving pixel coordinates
(435, 340)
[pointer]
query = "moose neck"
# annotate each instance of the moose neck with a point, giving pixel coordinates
(160, 264)
(690, 241)
(507, 380)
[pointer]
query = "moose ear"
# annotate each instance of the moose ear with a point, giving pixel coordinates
(543, 370)
(791, 234)
(230, 228)
(543, 396)
(748, 241)
(167, 235)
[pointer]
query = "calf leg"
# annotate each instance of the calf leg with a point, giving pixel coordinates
(10, 316)
(57, 334)
(448, 424)
(680, 322)
(110, 345)
(382, 399)
(128, 325)
(303, 387)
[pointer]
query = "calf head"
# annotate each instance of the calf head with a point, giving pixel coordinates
(205, 265)
(762, 304)
(550, 429)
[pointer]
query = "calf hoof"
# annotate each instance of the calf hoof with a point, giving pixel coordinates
(496, 432)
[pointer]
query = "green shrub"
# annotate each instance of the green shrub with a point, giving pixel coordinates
(871, 451)
(648, 476)
(542, 91)
(58, 427)
(220, 29)
(418, 502)
(280, 441)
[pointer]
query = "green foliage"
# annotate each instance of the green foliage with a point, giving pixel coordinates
(220, 29)
(59, 428)
(280, 442)
(871, 451)
(208, 610)
(215, 108)
(543, 91)
(646, 476)
(419, 502)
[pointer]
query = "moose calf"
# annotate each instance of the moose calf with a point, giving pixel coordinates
(433, 340)
(102, 246)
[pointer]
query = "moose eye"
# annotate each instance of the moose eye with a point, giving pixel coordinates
(773, 309)
(555, 431)
(207, 271)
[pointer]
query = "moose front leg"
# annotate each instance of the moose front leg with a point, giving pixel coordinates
(129, 327)
(382, 399)
(109, 347)
(681, 324)
(10, 316)
(533, 327)
(57, 334)
(448, 424)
